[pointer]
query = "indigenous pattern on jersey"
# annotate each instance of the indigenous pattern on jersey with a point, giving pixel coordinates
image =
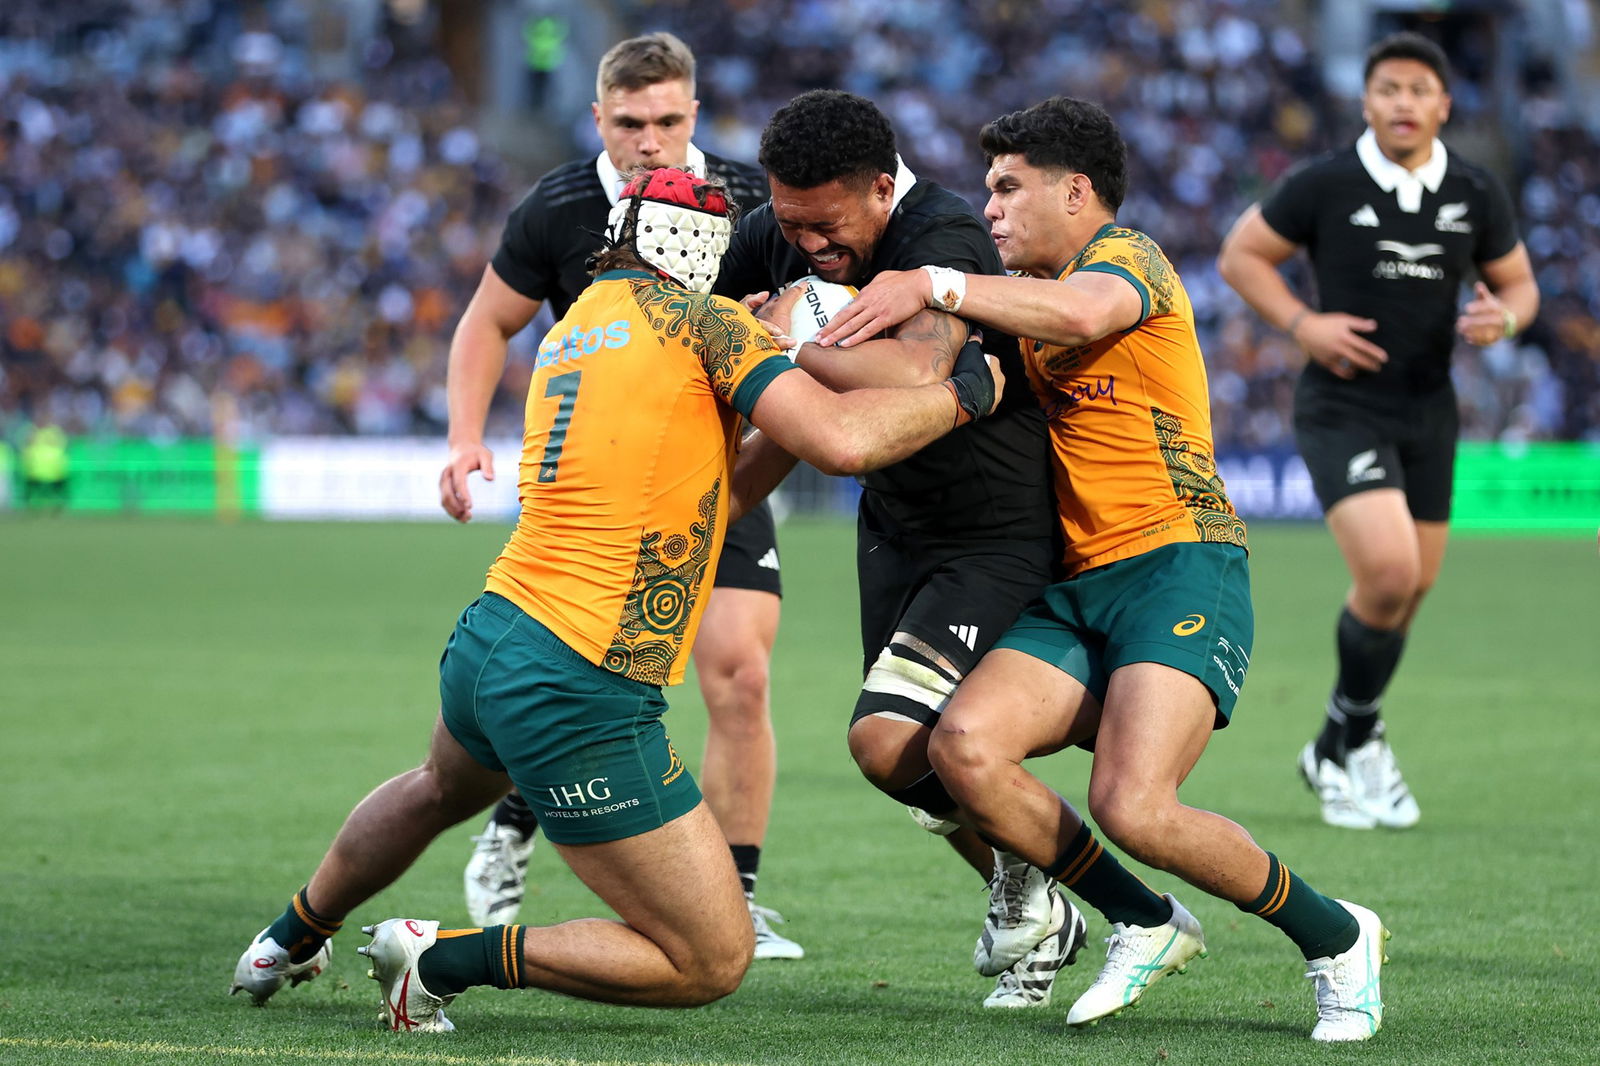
(1401, 264)
(1130, 419)
(629, 438)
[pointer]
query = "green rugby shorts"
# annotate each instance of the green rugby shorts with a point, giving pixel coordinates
(584, 746)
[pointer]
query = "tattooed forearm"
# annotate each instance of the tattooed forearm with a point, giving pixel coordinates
(940, 333)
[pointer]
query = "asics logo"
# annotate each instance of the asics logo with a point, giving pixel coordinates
(263, 963)
(1411, 253)
(1194, 623)
(397, 1006)
(1365, 217)
(416, 930)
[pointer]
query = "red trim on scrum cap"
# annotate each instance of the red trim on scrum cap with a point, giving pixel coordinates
(668, 185)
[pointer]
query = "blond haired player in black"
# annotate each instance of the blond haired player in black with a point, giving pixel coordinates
(1395, 227)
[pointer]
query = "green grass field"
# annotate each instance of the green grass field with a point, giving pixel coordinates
(190, 709)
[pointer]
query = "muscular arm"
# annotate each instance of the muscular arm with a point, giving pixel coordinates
(921, 351)
(1086, 306)
(496, 313)
(1249, 261)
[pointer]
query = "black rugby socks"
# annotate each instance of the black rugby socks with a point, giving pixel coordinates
(1367, 661)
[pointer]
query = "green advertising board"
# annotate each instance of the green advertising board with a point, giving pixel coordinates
(182, 476)
(1552, 486)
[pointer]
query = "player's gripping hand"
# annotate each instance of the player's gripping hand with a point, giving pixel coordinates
(1484, 320)
(1335, 340)
(889, 299)
(776, 313)
(454, 496)
(976, 381)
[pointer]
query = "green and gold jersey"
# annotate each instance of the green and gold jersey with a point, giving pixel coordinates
(631, 429)
(1130, 419)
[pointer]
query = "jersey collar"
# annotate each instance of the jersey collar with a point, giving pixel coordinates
(903, 180)
(612, 180)
(1407, 185)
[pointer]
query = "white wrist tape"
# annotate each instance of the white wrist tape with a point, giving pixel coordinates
(949, 287)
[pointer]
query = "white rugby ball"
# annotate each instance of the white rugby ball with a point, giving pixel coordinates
(816, 306)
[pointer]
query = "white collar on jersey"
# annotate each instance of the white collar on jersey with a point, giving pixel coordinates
(903, 180)
(1392, 177)
(612, 180)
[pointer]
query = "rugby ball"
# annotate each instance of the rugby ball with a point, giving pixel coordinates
(816, 306)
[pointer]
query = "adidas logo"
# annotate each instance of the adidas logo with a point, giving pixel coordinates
(1363, 467)
(769, 560)
(1365, 217)
(967, 635)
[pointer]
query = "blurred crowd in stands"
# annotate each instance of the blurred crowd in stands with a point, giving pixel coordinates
(200, 234)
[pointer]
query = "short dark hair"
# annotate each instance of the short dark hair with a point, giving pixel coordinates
(1063, 133)
(1408, 45)
(825, 135)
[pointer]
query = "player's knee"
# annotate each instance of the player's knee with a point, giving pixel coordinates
(1134, 818)
(737, 700)
(963, 762)
(1387, 589)
(716, 975)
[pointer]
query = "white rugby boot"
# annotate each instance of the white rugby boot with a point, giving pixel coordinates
(1138, 957)
(1349, 1000)
(769, 943)
(1030, 981)
(1376, 782)
(1335, 791)
(396, 946)
(1021, 910)
(496, 876)
(265, 967)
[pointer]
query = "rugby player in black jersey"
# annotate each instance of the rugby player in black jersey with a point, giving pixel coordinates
(645, 113)
(1394, 226)
(953, 541)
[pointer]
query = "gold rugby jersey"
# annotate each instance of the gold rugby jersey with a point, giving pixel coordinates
(1130, 419)
(630, 433)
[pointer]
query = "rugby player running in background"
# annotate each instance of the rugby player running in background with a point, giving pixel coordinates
(1394, 227)
(1140, 652)
(645, 113)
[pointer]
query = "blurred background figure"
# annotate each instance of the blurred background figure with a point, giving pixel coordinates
(45, 469)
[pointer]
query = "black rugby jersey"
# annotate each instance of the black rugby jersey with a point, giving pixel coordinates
(1402, 269)
(548, 239)
(988, 479)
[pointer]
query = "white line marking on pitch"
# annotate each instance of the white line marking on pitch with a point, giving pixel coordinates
(148, 1047)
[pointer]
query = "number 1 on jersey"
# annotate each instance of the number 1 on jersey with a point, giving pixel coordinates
(566, 387)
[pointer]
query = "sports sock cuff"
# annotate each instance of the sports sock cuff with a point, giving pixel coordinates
(1081, 853)
(302, 907)
(746, 859)
(1275, 893)
(513, 810)
(502, 948)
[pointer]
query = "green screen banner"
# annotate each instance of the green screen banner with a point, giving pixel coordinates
(1547, 486)
(182, 476)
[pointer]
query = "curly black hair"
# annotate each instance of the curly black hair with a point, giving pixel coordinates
(824, 135)
(1408, 45)
(1064, 134)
